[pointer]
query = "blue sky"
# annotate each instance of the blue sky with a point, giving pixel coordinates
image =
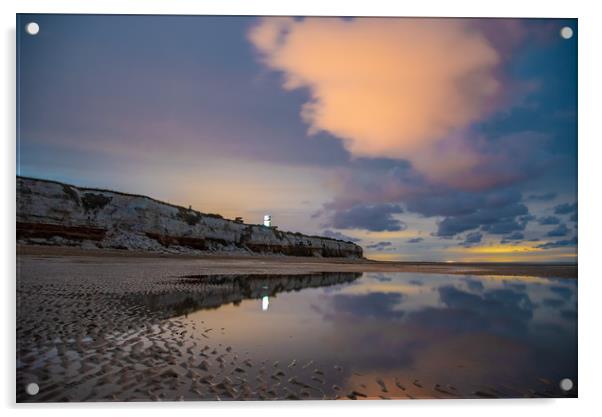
(440, 139)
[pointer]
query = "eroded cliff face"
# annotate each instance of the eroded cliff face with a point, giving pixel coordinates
(53, 213)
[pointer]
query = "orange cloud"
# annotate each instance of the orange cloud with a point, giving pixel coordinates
(396, 88)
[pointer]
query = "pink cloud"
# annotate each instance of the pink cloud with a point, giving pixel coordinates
(394, 88)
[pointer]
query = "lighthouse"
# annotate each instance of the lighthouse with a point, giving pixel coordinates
(267, 220)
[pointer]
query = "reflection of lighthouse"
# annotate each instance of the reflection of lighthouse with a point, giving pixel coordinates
(265, 302)
(267, 220)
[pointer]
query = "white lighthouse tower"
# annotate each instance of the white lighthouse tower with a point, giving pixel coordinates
(267, 220)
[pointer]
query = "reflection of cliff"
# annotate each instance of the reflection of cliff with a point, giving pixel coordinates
(50, 212)
(199, 292)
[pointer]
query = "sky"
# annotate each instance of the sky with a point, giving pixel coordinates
(419, 139)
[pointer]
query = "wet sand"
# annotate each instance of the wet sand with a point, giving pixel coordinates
(114, 326)
(237, 264)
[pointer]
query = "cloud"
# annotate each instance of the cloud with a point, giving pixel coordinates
(547, 220)
(542, 197)
(414, 114)
(498, 210)
(472, 239)
(385, 87)
(565, 208)
(560, 230)
(415, 240)
(380, 246)
(339, 236)
(376, 218)
(512, 237)
(558, 244)
(499, 217)
(507, 225)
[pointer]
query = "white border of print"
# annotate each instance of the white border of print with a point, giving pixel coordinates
(590, 175)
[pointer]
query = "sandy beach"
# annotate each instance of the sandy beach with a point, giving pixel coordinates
(237, 264)
(122, 326)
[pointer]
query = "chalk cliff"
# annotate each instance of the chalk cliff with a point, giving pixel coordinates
(54, 213)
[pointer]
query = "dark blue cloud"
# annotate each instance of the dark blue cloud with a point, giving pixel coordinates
(415, 240)
(558, 244)
(541, 197)
(380, 246)
(560, 230)
(503, 226)
(512, 237)
(565, 208)
(547, 220)
(472, 239)
(495, 217)
(340, 236)
(376, 218)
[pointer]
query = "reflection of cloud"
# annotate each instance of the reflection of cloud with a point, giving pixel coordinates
(490, 331)
(382, 278)
(386, 86)
(553, 302)
(564, 292)
(516, 285)
(474, 284)
(376, 304)
(505, 309)
(570, 315)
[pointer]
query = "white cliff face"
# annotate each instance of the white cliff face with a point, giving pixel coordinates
(54, 213)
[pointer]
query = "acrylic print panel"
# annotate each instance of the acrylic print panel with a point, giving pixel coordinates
(249, 208)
